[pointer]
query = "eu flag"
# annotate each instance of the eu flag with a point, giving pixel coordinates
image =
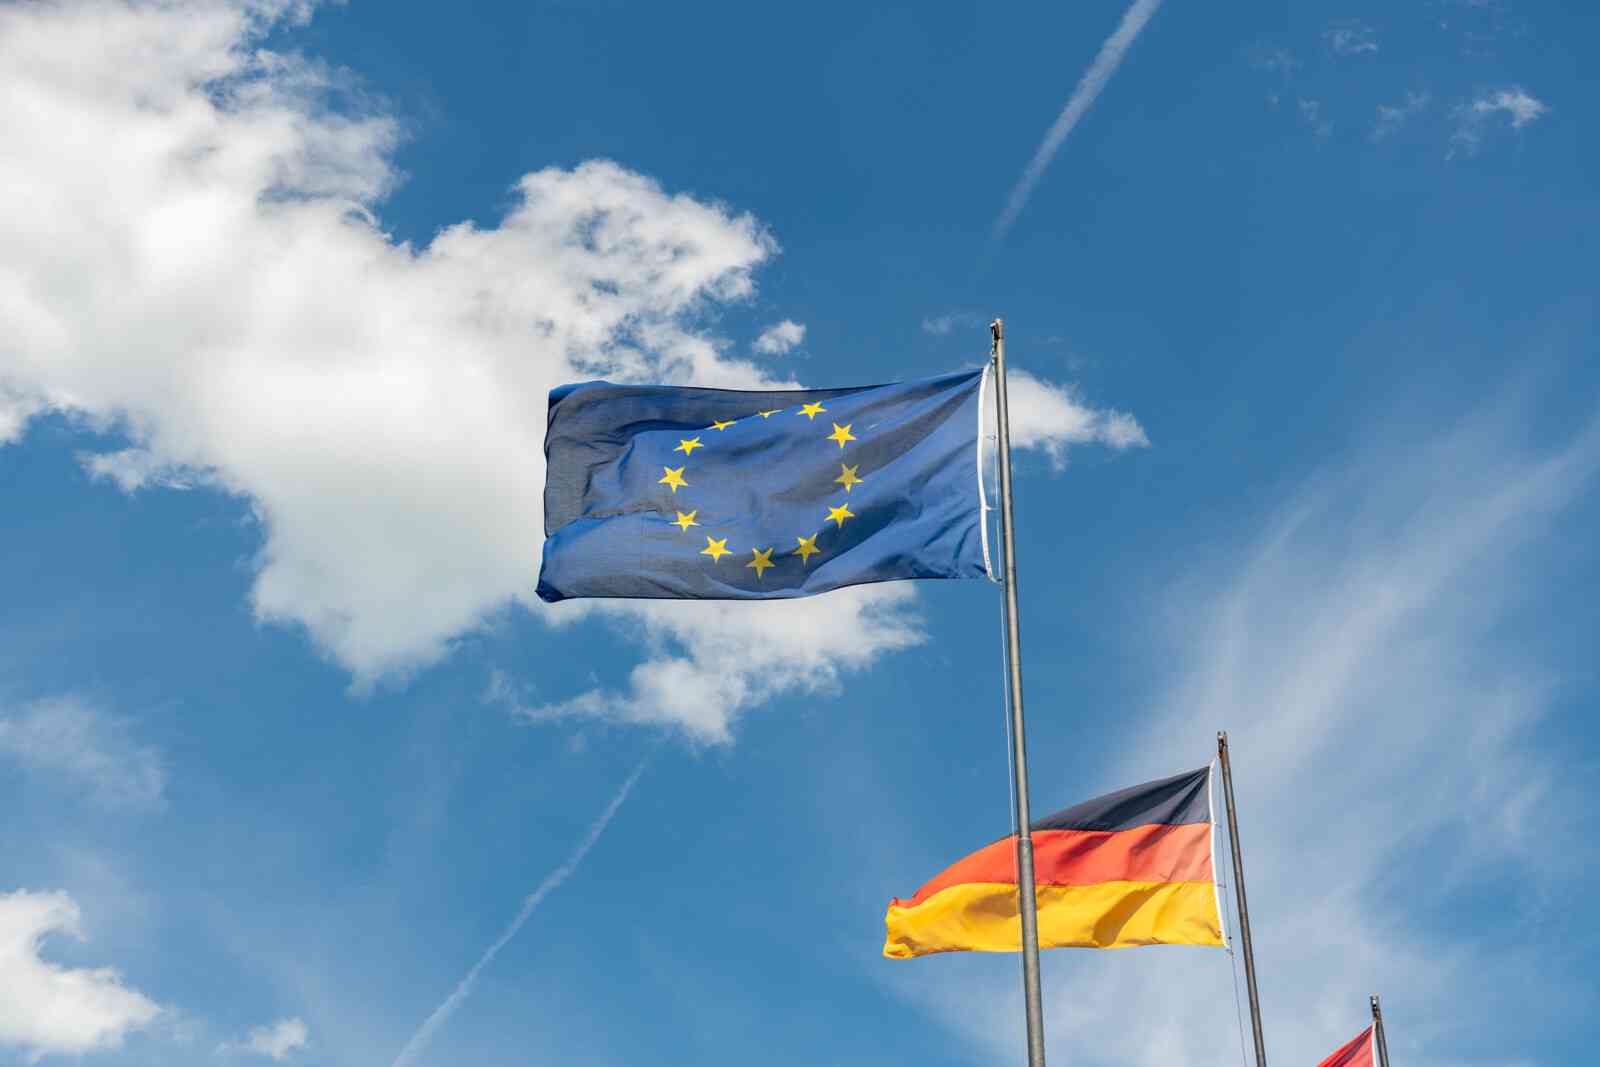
(660, 491)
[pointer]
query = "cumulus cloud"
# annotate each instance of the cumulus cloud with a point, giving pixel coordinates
(1360, 638)
(71, 738)
(46, 1008)
(709, 663)
(15, 411)
(276, 1041)
(1515, 104)
(199, 266)
(1054, 418)
(200, 270)
(779, 338)
(1391, 117)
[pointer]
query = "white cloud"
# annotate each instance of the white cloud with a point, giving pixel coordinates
(135, 468)
(1274, 59)
(69, 737)
(1084, 94)
(943, 325)
(1311, 115)
(46, 1008)
(1350, 38)
(780, 337)
(1384, 735)
(277, 1041)
(1391, 117)
(1052, 418)
(15, 411)
(199, 266)
(1472, 118)
(709, 663)
(1515, 102)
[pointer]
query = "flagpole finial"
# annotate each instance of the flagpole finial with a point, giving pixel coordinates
(1239, 898)
(1382, 1039)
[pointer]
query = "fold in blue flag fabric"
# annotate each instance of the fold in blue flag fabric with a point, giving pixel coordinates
(659, 491)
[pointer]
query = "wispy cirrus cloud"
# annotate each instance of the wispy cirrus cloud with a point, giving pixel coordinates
(1083, 96)
(71, 738)
(1311, 115)
(1358, 637)
(944, 324)
(1350, 37)
(1392, 117)
(276, 1041)
(1274, 59)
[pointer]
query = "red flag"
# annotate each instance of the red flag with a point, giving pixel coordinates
(1358, 1053)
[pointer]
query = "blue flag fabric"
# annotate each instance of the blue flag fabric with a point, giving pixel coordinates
(667, 492)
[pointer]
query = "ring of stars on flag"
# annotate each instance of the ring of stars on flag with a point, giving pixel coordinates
(761, 559)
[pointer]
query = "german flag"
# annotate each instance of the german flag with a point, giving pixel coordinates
(1358, 1053)
(1129, 868)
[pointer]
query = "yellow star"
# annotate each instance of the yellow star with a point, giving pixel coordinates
(688, 446)
(761, 561)
(808, 548)
(717, 424)
(673, 477)
(811, 411)
(715, 549)
(839, 514)
(683, 522)
(769, 414)
(841, 434)
(847, 476)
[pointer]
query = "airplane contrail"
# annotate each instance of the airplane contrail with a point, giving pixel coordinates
(441, 1014)
(1083, 97)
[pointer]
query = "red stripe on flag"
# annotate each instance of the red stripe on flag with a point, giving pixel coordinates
(1157, 853)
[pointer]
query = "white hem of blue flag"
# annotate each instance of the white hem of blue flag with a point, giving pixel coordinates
(983, 500)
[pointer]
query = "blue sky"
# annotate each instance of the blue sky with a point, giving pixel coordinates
(1305, 305)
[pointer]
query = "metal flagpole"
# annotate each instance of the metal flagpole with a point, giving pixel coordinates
(1244, 908)
(1377, 1029)
(1028, 905)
